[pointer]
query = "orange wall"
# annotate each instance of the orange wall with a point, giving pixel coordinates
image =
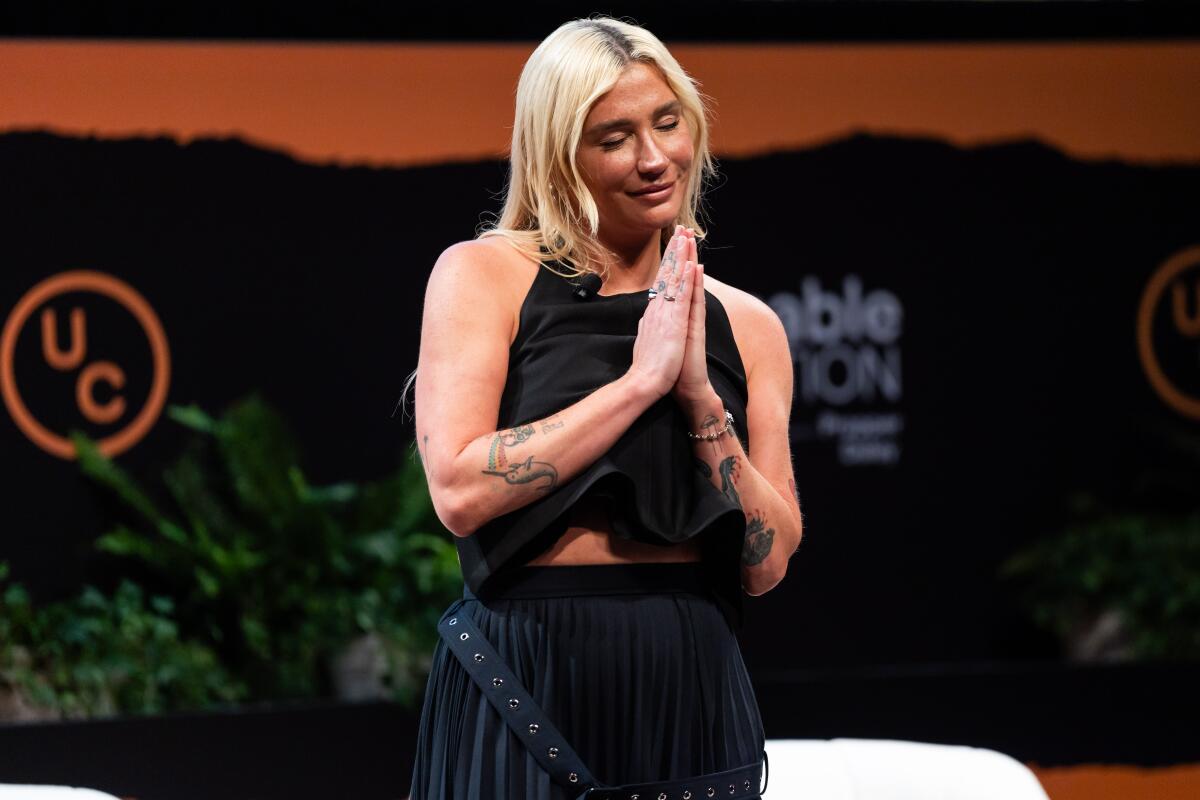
(414, 103)
(1120, 783)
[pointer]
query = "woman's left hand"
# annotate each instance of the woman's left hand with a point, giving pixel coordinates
(692, 387)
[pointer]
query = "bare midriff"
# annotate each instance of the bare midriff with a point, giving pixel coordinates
(589, 539)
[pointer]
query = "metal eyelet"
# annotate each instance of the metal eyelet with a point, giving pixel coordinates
(747, 785)
(453, 621)
(533, 728)
(662, 796)
(479, 658)
(573, 778)
(731, 789)
(497, 682)
(687, 794)
(464, 636)
(552, 752)
(513, 702)
(711, 791)
(634, 796)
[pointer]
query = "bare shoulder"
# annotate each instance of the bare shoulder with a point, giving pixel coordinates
(486, 272)
(757, 329)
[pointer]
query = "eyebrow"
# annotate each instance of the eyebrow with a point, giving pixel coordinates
(604, 127)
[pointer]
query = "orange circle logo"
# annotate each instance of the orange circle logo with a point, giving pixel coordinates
(74, 360)
(1169, 318)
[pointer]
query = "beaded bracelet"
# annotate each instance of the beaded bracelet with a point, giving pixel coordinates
(708, 437)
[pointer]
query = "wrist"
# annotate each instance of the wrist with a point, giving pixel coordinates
(701, 411)
(639, 390)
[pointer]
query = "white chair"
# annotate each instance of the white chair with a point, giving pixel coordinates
(876, 769)
(12, 791)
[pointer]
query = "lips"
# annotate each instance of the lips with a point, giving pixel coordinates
(656, 188)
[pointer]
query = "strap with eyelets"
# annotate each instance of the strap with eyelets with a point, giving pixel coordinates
(741, 783)
(514, 704)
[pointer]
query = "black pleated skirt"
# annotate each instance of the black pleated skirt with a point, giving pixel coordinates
(634, 663)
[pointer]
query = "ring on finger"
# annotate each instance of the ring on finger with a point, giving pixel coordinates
(669, 298)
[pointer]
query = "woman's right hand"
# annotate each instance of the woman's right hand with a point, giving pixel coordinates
(662, 331)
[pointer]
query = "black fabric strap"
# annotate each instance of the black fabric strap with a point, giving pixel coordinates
(510, 699)
(551, 750)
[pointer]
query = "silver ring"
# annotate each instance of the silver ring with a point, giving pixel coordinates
(668, 298)
(652, 293)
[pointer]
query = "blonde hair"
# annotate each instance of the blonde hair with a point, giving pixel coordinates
(548, 213)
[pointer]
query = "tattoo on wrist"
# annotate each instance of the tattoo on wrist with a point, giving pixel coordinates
(759, 538)
(728, 469)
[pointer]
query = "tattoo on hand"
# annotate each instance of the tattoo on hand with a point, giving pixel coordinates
(704, 468)
(669, 261)
(728, 470)
(709, 422)
(528, 471)
(759, 538)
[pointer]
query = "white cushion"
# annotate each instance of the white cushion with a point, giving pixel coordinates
(12, 791)
(877, 769)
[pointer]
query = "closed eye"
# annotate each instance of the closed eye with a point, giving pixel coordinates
(613, 144)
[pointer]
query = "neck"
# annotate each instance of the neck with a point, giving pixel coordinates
(634, 265)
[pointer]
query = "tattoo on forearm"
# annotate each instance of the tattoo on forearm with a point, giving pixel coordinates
(728, 469)
(551, 425)
(528, 471)
(704, 468)
(759, 538)
(502, 439)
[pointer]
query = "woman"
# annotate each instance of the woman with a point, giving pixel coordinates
(609, 524)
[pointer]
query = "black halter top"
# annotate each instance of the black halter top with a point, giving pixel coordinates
(567, 348)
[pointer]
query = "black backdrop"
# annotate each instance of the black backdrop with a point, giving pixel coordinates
(1003, 282)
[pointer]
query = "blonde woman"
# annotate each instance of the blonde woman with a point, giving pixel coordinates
(586, 403)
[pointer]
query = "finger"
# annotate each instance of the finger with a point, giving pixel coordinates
(698, 303)
(667, 267)
(683, 291)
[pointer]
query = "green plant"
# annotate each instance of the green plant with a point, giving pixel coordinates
(96, 655)
(1145, 568)
(280, 575)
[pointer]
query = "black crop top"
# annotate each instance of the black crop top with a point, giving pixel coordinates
(567, 348)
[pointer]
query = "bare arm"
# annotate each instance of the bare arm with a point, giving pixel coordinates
(476, 472)
(764, 488)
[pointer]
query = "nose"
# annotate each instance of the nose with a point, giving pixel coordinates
(651, 159)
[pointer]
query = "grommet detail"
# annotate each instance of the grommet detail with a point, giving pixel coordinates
(513, 702)
(497, 682)
(711, 791)
(479, 658)
(453, 621)
(533, 728)
(573, 778)
(731, 790)
(634, 796)
(747, 785)
(687, 794)
(662, 796)
(464, 636)
(552, 752)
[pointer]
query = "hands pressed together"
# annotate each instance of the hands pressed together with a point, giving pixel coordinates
(670, 346)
